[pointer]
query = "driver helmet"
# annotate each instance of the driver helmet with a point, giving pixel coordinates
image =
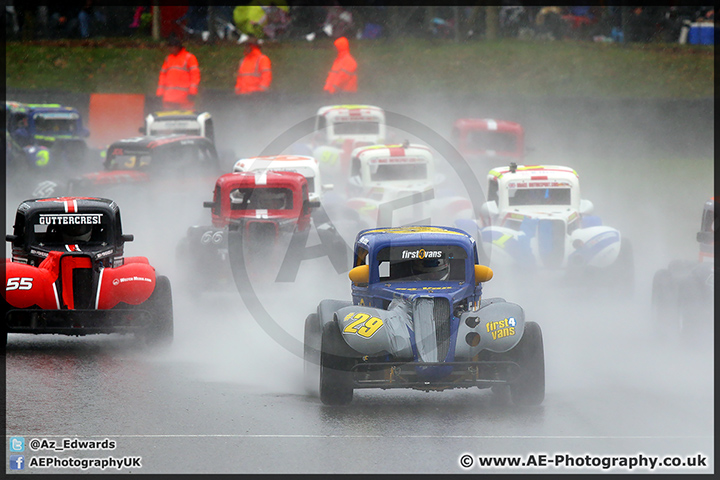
(72, 234)
(236, 196)
(274, 201)
(431, 268)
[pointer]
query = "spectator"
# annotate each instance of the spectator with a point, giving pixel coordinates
(549, 23)
(89, 19)
(343, 75)
(255, 71)
(277, 22)
(179, 78)
(512, 17)
(250, 20)
(338, 22)
(64, 20)
(195, 19)
(580, 19)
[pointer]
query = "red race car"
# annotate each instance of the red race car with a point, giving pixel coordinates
(68, 275)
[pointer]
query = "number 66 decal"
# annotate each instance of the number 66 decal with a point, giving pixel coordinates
(364, 325)
(19, 283)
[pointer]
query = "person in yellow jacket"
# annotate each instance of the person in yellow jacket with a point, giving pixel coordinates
(255, 71)
(179, 78)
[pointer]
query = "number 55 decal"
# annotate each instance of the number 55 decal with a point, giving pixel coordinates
(19, 283)
(364, 325)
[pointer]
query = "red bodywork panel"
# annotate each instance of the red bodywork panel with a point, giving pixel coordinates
(295, 182)
(132, 283)
(117, 176)
(463, 128)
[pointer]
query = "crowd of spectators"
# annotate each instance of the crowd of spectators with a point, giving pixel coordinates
(279, 20)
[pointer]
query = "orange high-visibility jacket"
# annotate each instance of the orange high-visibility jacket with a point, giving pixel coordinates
(179, 77)
(342, 76)
(254, 73)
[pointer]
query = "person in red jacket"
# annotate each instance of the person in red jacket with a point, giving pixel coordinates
(179, 78)
(255, 72)
(342, 76)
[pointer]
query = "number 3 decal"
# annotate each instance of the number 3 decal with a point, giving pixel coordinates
(19, 283)
(364, 325)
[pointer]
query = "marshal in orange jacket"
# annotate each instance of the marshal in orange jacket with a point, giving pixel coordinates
(342, 76)
(179, 77)
(254, 73)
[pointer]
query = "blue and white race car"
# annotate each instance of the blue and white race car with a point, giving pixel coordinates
(535, 218)
(417, 320)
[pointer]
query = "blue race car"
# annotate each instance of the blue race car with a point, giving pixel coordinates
(417, 320)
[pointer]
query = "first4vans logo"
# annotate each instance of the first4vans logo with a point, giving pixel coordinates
(421, 254)
(118, 281)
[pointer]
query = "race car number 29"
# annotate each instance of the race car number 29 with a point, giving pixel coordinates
(19, 283)
(364, 325)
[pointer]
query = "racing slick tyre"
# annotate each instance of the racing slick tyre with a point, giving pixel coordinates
(336, 382)
(529, 387)
(311, 354)
(6, 307)
(664, 300)
(160, 331)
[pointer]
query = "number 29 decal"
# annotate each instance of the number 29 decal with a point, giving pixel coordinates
(363, 324)
(19, 283)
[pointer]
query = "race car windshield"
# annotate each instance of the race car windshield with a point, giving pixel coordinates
(356, 128)
(539, 196)
(170, 131)
(129, 162)
(388, 173)
(270, 198)
(55, 123)
(56, 229)
(497, 141)
(445, 263)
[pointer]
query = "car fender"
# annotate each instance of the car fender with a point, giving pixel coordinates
(598, 246)
(26, 285)
(496, 327)
(374, 331)
(507, 246)
(131, 283)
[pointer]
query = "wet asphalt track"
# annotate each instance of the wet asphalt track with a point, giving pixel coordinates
(227, 397)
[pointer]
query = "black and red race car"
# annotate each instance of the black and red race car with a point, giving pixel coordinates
(68, 275)
(165, 161)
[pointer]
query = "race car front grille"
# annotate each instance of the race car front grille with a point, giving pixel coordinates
(82, 280)
(431, 320)
(551, 242)
(441, 314)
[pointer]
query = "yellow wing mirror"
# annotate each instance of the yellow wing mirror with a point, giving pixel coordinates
(482, 273)
(360, 275)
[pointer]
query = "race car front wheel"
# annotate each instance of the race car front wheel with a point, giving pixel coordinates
(160, 331)
(311, 354)
(336, 383)
(529, 387)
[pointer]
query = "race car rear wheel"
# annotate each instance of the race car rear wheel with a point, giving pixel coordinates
(336, 383)
(529, 387)
(311, 354)
(160, 331)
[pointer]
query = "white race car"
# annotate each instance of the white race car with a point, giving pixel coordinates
(535, 218)
(341, 128)
(395, 185)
